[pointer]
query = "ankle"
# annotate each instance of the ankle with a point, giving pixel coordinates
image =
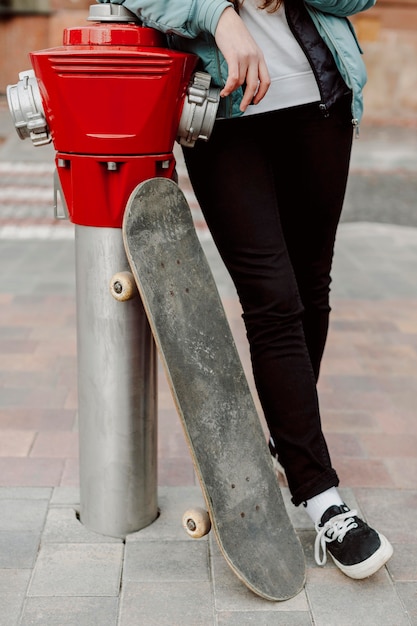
(318, 505)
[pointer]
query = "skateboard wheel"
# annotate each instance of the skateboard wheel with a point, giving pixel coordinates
(123, 286)
(196, 522)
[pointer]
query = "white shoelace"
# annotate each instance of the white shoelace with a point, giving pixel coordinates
(335, 528)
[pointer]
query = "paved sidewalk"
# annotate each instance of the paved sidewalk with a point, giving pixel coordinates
(56, 572)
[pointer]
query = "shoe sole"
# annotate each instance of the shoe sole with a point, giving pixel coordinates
(371, 565)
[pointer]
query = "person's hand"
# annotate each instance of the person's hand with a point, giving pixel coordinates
(244, 58)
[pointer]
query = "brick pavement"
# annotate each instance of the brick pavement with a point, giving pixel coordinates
(55, 572)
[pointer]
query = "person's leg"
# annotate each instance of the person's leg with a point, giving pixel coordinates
(233, 179)
(311, 184)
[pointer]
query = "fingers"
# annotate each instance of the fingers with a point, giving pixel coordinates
(264, 83)
(253, 74)
(256, 79)
(257, 84)
(236, 76)
(245, 61)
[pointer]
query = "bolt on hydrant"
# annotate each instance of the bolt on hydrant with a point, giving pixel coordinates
(113, 100)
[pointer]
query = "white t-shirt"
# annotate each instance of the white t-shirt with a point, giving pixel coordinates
(292, 79)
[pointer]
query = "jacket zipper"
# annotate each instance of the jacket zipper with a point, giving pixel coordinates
(355, 121)
(322, 105)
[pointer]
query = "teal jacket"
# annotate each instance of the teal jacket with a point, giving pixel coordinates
(191, 24)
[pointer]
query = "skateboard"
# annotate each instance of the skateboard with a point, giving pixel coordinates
(211, 393)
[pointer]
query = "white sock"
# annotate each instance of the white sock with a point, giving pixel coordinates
(317, 505)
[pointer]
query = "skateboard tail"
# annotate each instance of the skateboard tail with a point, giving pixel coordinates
(279, 585)
(286, 578)
(293, 588)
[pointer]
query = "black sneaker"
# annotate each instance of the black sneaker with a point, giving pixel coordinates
(358, 550)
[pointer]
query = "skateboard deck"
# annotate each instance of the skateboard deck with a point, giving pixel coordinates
(211, 393)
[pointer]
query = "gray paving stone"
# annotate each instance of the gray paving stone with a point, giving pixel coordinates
(25, 493)
(167, 561)
(65, 496)
(22, 515)
(13, 585)
(167, 604)
(265, 618)
(307, 538)
(336, 599)
(408, 595)
(70, 612)
(392, 511)
(13, 580)
(77, 570)
(403, 564)
(63, 526)
(18, 550)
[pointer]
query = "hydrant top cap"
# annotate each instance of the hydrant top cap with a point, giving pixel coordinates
(114, 25)
(113, 35)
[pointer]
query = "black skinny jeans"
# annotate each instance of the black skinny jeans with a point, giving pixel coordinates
(271, 188)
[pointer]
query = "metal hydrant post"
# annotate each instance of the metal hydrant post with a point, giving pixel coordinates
(113, 99)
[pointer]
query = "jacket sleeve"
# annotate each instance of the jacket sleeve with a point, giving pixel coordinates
(187, 18)
(341, 8)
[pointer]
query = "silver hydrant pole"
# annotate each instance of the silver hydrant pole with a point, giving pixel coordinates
(117, 392)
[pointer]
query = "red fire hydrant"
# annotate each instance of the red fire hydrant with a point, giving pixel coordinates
(113, 99)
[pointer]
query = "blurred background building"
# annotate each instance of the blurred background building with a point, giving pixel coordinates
(387, 34)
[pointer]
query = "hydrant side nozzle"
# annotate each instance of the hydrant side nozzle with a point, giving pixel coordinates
(199, 110)
(25, 104)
